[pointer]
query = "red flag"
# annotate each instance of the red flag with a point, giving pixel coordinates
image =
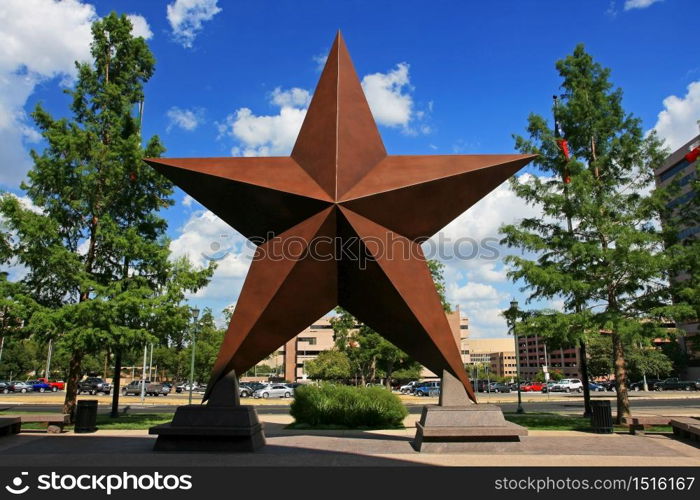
(693, 155)
(564, 146)
(561, 141)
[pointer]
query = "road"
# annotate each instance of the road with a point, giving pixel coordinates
(666, 403)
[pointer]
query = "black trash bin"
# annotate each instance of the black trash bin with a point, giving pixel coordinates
(601, 417)
(86, 416)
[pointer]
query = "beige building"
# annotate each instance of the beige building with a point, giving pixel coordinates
(678, 167)
(497, 354)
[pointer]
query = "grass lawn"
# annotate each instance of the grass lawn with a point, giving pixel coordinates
(132, 421)
(556, 422)
(533, 421)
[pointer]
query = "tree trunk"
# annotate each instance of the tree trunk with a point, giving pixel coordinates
(72, 383)
(623, 403)
(116, 382)
(584, 375)
(389, 372)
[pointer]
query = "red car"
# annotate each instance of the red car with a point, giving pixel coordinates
(55, 386)
(532, 386)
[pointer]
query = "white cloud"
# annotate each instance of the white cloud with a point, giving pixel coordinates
(39, 40)
(294, 97)
(475, 275)
(140, 26)
(188, 201)
(203, 237)
(268, 135)
(639, 4)
(677, 123)
(320, 61)
(387, 96)
(186, 18)
(185, 119)
(271, 135)
(473, 292)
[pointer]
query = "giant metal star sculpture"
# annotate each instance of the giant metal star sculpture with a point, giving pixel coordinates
(349, 220)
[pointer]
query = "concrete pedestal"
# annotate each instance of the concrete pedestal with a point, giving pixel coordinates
(210, 428)
(220, 425)
(458, 425)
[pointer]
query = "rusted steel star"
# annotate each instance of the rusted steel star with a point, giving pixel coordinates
(339, 185)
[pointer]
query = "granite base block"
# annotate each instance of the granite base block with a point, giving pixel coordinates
(211, 428)
(453, 429)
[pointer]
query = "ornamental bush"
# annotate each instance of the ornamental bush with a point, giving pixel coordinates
(347, 406)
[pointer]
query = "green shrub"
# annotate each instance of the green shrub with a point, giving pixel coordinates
(346, 406)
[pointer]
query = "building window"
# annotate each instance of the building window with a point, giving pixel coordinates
(309, 340)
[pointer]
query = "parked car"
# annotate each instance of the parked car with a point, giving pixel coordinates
(592, 386)
(609, 385)
(274, 391)
(39, 386)
(532, 386)
(185, 387)
(151, 388)
(17, 386)
(481, 385)
(499, 387)
(3, 387)
(568, 385)
(431, 388)
(94, 385)
(676, 384)
(408, 388)
(245, 391)
(639, 386)
(249, 388)
(58, 385)
(548, 386)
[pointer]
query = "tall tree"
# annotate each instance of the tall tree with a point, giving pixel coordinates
(609, 265)
(96, 249)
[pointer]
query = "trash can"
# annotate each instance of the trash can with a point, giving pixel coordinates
(601, 417)
(86, 416)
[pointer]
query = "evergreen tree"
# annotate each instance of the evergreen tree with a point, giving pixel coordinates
(596, 245)
(96, 251)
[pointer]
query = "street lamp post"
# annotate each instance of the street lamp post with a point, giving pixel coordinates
(195, 315)
(512, 317)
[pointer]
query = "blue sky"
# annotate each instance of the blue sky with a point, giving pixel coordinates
(458, 77)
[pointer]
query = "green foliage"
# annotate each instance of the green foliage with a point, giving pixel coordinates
(600, 360)
(329, 365)
(595, 246)
(96, 249)
(437, 269)
(346, 406)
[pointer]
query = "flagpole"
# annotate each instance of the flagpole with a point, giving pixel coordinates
(561, 141)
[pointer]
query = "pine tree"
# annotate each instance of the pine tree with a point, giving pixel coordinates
(96, 251)
(608, 264)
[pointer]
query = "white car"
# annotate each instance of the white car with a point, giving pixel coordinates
(568, 385)
(408, 388)
(274, 391)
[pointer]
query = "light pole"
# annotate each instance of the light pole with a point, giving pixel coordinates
(512, 318)
(195, 315)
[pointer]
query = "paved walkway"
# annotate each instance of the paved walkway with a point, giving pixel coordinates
(366, 448)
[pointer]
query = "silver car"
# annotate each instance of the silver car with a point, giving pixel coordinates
(274, 391)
